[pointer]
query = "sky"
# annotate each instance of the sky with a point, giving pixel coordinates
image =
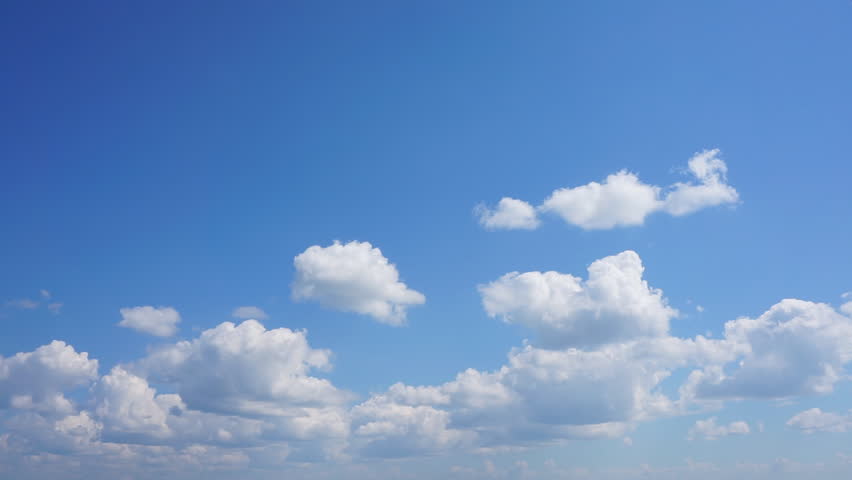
(420, 240)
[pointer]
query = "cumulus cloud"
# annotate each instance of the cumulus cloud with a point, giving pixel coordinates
(815, 420)
(36, 380)
(249, 312)
(709, 430)
(710, 190)
(245, 369)
(613, 304)
(622, 199)
(795, 348)
(250, 396)
(161, 322)
(353, 277)
(509, 214)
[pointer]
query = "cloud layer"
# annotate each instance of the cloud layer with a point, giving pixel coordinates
(247, 398)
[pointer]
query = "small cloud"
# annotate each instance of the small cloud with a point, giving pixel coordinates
(44, 294)
(161, 322)
(249, 312)
(22, 303)
(699, 308)
(710, 430)
(628, 441)
(55, 307)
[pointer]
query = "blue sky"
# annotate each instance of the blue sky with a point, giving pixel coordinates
(182, 156)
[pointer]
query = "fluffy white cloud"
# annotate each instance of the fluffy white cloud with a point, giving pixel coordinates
(127, 404)
(510, 213)
(710, 190)
(815, 420)
(248, 312)
(795, 348)
(614, 304)
(709, 430)
(354, 277)
(622, 199)
(384, 428)
(161, 322)
(245, 369)
(36, 380)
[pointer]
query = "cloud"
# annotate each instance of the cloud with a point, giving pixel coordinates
(709, 430)
(710, 190)
(245, 369)
(249, 312)
(815, 420)
(161, 322)
(55, 307)
(621, 200)
(509, 214)
(353, 277)
(254, 397)
(36, 380)
(22, 303)
(44, 294)
(795, 348)
(614, 304)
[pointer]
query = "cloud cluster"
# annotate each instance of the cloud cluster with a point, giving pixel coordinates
(621, 200)
(242, 395)
(353, 277)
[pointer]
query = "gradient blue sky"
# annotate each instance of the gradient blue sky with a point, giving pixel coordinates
(181, 154)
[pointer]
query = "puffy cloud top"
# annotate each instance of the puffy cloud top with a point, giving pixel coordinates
(614, 304)
(510, 213)
(245, 369)
(36, 380)
(795, 348)
(353, 277)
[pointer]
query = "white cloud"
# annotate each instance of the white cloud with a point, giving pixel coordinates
(161, 322)
(245, 370)
(815, 420)
(711, 190)
(614, 304)
(127, 404)
(510, 213)
(249, 312)
(383, 428)
(354, 277)
(795, 348)
(622, 199)
(44, 294)
(36, 380)
(709, 430)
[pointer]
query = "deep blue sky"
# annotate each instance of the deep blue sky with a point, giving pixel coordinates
(182, 153)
